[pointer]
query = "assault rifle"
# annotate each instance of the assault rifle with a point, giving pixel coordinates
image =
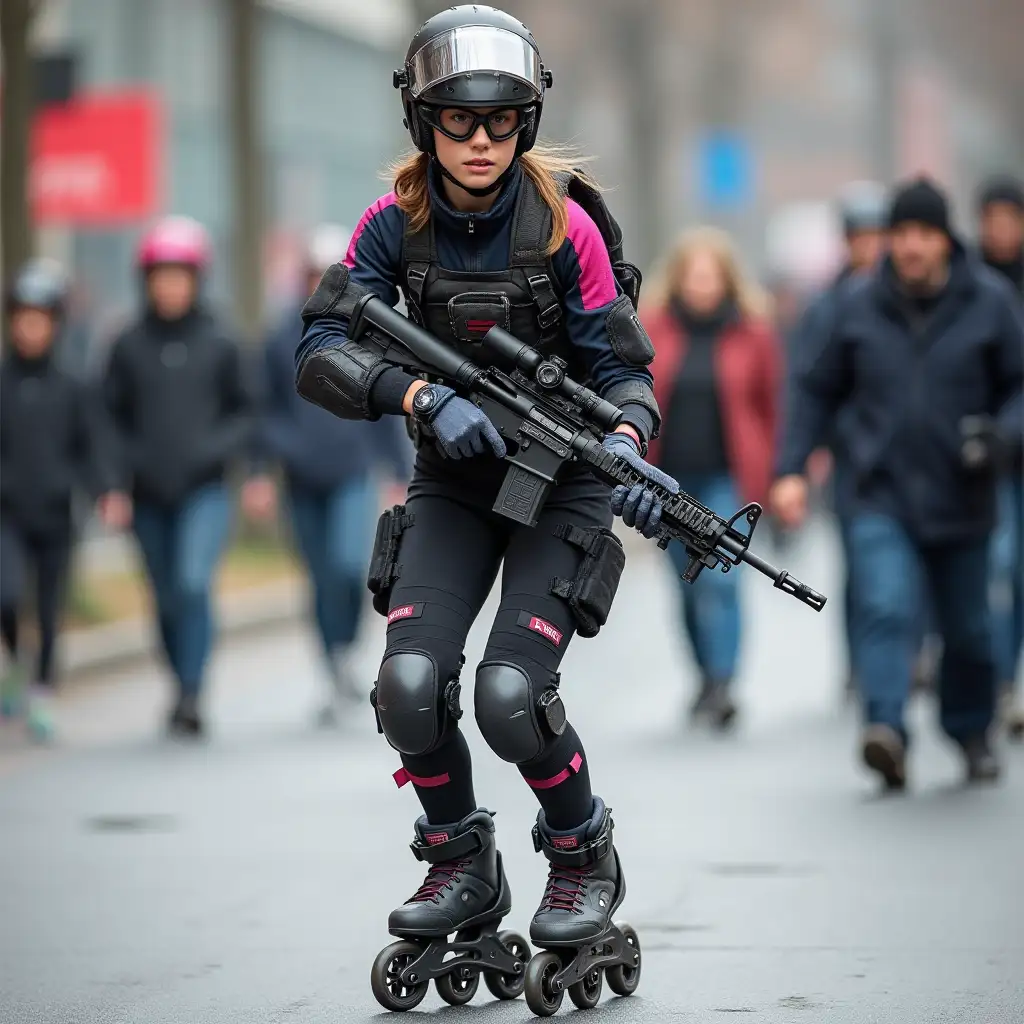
(546, 419)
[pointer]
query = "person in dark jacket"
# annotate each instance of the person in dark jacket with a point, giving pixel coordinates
(51, 447)
(329, 467)
(927, 351)
(176, 395)
(1001, 222)
(863, 211)
(717, 369)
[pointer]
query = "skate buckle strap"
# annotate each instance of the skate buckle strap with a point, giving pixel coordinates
(557, 851)
(437, 849)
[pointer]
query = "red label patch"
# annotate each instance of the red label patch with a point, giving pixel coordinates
(545, 629)
(406, 611)
(564, 842)
(436, 838)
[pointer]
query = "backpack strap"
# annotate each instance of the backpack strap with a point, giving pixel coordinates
(417, 256)
(531, 230)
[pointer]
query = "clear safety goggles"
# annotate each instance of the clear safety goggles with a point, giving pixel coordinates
(474, 48)
(460, 124)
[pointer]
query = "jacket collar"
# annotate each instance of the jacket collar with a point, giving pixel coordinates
(486, 224)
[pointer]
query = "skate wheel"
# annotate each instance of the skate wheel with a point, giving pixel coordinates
(509, 986)
(624, 978)
(385, 977)
(541, 998)
(586, 993)
(458, 987)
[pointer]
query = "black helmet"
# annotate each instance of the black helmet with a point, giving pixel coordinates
(472, 56)
(864, 206)
(39, 284)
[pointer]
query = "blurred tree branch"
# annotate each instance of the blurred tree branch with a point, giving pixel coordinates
(17, 242)
(247, 164)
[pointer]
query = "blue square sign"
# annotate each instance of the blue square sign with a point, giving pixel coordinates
(725, 172)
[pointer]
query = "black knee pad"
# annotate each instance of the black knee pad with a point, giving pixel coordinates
(413, 707)
(515, 723)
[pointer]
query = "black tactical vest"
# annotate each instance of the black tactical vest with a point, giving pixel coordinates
(462, 307)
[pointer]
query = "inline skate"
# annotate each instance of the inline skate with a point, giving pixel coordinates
(465, 894)
(573, 924)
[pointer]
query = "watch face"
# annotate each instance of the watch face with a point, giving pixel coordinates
(424, 399)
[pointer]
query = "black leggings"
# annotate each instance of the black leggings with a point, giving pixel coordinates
(48, 555)
(449, 561)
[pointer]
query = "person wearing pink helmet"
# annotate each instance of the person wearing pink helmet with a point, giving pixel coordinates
(176, 395)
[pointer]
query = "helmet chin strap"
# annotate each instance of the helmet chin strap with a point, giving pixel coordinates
(478, 193)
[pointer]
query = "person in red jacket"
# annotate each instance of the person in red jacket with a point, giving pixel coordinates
(717, 371)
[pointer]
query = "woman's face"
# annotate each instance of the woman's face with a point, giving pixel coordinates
(702, 285)
(476, 161)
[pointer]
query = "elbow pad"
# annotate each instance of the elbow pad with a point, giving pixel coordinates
(635, 392)
(626, 334)
(340, 378)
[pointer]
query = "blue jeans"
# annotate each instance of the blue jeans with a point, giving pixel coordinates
(890, 572)
(334, 531)
(710, 605)
(181, 545)
(1008, 580)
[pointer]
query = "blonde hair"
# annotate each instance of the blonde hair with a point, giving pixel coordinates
(408, 175)
(750, 298)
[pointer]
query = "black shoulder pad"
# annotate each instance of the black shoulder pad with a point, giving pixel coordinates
(335, 295)
(628, 338)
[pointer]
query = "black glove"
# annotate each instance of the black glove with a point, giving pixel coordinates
(982, 447)
(637, 505)
(460, 428)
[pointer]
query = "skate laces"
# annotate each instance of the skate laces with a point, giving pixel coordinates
(566, 896)
(439, 877)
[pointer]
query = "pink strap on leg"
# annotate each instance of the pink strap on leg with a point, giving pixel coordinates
(574, 769)
(401, 777)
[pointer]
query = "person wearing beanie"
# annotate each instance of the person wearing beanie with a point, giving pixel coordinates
(1001, 236)
(927, 354)
(863, 211)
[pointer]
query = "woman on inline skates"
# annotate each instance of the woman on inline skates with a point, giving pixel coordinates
(481, 229)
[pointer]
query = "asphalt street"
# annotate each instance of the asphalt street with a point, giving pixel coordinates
(247, 880)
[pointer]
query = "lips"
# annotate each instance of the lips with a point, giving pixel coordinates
(479, 163)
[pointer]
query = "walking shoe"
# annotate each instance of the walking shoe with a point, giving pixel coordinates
(40, 713)
(1011, 714)
(884, 752)
(982, 764)
(185, 719)
(12, 691)
(721, 707)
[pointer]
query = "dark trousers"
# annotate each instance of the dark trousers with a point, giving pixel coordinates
(889, 572)
(449, 559)
(44, 557)
(182, 545)
(334, 531)
(1008, 580)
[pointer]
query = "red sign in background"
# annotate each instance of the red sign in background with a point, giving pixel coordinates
(96, 160)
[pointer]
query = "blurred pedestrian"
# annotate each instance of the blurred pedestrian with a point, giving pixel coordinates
(175, 392)
(927, 351)
(1001, 222)
(329, 467)
(717, 371)
(51, 447)
(863, 211)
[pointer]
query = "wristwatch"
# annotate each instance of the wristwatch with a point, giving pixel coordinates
(425, 402)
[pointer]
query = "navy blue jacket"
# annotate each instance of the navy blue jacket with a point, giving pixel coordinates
(316, 450)
(468, 242)
(908, 386)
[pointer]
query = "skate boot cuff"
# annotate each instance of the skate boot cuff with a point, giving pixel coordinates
(436, 843)
(582, 846)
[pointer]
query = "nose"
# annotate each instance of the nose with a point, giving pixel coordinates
(480, 138)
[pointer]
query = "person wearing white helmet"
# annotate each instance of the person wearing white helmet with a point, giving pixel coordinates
(328, 467)
(176, 395)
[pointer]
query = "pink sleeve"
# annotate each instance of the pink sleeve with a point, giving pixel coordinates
(371, 211)
(597, 283)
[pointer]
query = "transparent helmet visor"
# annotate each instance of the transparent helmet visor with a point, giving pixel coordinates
(474, 48)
